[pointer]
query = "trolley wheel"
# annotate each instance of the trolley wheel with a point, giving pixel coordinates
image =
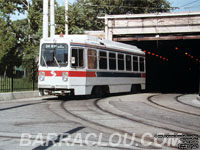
(136, 89)
(97, 91)
(100, 91)
(41, 92)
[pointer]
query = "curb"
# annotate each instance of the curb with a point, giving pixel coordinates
(18, 95)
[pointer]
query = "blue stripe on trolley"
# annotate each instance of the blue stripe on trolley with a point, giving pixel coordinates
(118, 74)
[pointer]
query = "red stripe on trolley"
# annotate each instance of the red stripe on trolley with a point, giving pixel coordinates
(70, 73)
(143, 75)
(81, 74)
(47, 73)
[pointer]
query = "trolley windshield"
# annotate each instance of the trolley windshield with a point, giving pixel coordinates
(54, 55)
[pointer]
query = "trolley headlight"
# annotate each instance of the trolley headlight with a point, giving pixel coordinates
(41, 76)
(65, 76)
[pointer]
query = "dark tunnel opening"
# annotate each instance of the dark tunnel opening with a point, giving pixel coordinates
(172, 66)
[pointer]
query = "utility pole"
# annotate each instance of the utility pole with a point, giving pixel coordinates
(29, 23)
(45, 19)
(52, 18)
(66, 17)
(27, 4)
(106, 27)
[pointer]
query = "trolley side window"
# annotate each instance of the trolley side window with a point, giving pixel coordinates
(135, 63)
(77, 57)
(128, 63)
(120, 61)
(103, 60)
(142, 64)
(92, 59)
(112, 61)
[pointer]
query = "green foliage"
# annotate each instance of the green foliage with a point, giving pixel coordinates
(113, 7)
(60, 19)
(83, 17)
(8, 7)
(35, 20)
(83, 13)
(9, 48)
(33, 36)
(19, 40)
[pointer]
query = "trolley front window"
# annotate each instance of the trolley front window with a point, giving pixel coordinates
(54, 55)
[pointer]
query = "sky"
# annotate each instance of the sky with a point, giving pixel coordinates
(184, 6)
(21, 16)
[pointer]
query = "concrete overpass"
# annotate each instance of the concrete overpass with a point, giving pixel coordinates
(174, 36)
(145, 27)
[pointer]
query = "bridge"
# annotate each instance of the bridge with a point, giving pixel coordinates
(145, 27)
(174, 36)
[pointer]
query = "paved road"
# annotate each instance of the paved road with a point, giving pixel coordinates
(116, 122)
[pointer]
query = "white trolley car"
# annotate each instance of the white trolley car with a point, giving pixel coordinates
(84, 65)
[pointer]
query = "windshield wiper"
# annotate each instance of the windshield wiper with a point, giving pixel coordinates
(44, 61)
(56, 61)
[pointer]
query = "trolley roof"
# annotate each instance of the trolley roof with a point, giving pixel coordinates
(94, 41)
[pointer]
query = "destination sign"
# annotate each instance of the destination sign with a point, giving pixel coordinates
(52, 46)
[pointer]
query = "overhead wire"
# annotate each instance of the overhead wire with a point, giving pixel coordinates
(190, 3)
(120, 6)
(140, 7)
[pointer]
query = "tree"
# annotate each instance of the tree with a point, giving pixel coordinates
(22, 36)
(8, 7)
(32, 36)
(10, 38)
(83, 13)
(113, 7)
(9, 48)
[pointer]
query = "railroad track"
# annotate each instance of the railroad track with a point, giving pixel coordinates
(49, 103)
(108, 122)
(145, 122)
(178, 108)
(172, 108)
(177, 99)
(102, 127)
